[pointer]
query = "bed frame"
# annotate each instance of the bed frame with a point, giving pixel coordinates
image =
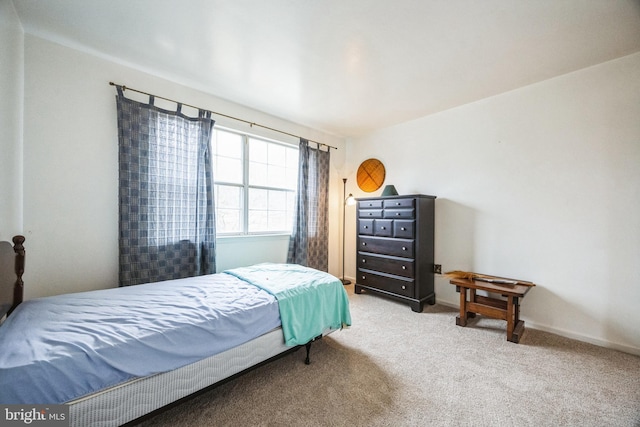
(141, 398)
(11, 271)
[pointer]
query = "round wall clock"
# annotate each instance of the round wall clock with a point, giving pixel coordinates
(370, 175)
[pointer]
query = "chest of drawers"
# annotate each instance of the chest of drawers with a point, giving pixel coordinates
(395, 248)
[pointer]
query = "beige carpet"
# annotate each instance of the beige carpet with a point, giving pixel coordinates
(394, 367)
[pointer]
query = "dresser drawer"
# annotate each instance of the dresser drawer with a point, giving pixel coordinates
(397, 266)
(394, 285)
(382, 245)
(399, 213)
(399, 203)
(370, 213)
(383, 227)
(403, 228)
(369, 204)
(365, 226)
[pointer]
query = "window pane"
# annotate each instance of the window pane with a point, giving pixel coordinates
(272, 164)
(258, 221)
(277, 221)
(227, 156)
(293, 157)
(258, 150)
(228, 221)
(228, 209)
(228, 144)
(277, 155)
(277, 177)
(291, 209)
(292, 178)
(291, 174)
(228, 170)
(277, 200)
(258, 173)
(270, 210)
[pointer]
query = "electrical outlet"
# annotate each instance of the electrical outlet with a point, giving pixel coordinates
(437, 268)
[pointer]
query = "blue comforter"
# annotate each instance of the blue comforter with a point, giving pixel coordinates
(56, 349)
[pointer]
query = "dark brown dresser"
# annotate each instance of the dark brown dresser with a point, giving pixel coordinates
(395, 248)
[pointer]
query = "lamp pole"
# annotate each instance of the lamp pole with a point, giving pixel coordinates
(344, 208)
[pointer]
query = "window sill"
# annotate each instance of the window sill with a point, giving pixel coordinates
(247, 237)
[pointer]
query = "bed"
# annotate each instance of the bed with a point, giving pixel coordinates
(123, 353)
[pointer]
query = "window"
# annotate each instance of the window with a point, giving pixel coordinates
(255, 183)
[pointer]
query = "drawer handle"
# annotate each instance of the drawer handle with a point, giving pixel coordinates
(404, 287)
(404, 267)
(364, 243)
(397, 213)
(364, 260)
(363, 278)
(366, 226)
(370, 214)
(383, 228)
(403, 229)
(398, 203)
(404, 248)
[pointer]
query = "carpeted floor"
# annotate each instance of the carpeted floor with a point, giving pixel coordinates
(394, 367)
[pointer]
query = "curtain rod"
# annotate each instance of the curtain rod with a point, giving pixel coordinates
(223, 115)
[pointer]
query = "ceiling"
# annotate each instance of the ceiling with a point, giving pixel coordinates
(346, 67)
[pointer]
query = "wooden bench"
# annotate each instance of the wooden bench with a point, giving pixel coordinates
(508, 310)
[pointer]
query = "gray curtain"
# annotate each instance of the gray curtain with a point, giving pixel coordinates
(166, 213)
(309, 244)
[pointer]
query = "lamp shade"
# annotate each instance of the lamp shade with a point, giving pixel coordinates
(389, 190)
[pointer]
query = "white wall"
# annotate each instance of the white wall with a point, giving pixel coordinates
(541, 184)
(11, 103)
(71, 169)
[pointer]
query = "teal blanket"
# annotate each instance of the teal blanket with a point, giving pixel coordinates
(310, 301)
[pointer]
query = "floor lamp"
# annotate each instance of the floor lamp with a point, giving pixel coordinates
(345, 201)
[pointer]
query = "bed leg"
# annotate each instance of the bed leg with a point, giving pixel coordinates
(307, 361)
(308, 347)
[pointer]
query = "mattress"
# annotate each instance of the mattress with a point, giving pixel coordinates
(131, 400)
(57, 349)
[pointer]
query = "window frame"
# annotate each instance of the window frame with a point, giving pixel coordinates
(245, 186)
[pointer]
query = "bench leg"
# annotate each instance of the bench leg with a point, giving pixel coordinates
(510, 318)
(518, 325)
(517, 332)
(472, 298)
(515, 326)
(461, 320)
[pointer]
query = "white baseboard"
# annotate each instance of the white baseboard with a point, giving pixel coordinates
(584, 338)
(567, 334)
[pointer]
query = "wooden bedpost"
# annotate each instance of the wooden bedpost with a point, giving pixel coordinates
(18, 289)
